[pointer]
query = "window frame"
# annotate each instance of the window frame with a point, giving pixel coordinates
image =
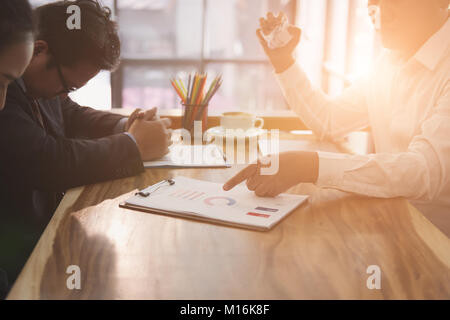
(117, 77)
(329, 69)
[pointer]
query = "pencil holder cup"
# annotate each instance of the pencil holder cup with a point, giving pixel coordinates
(194, 121)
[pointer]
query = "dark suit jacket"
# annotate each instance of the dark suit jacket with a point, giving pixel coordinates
(77, 147)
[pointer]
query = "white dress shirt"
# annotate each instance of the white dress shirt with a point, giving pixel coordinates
(406, 104)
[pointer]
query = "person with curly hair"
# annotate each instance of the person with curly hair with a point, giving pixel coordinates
(48, 142)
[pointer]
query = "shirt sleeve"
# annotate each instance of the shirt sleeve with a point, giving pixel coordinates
(328, 118)
(85, 122)
(420, 173)
(131, 137)
(120, 128)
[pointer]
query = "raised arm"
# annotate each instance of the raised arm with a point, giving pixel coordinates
(328, 118)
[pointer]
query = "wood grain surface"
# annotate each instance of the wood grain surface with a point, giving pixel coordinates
(320, 251)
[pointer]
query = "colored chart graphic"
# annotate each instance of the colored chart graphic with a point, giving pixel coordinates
(198, 195)
(187, 194)
(212, 201)
(266, 209)
(262, 215)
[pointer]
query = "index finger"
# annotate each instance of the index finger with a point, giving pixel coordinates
(241, 176)
(132, 117)
(135, 112)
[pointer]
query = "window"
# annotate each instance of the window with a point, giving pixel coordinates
(166, 38)
(342, 33)
(350, 47)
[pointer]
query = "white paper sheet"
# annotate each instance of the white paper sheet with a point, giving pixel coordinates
(207, 200)
(190, 156)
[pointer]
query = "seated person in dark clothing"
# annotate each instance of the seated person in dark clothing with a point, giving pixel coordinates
(16, 50)
(16, 42)
(49, 143)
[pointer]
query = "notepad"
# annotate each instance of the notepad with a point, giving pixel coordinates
(191, 156)
(207, 201)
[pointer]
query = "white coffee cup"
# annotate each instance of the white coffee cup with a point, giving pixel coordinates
(240, 120)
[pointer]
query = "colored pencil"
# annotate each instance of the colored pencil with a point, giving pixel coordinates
(182, 87)
(180, 94)
(195, 96)
(189, 90)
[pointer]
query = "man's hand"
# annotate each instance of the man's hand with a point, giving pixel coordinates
(294, 167)
(281, 58)
(139, 114)
(153, 138)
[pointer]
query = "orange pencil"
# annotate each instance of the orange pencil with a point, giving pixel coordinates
(195, 89)
(197, 84)
(200, 93)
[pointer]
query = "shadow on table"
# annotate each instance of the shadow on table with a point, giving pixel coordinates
(95, 256)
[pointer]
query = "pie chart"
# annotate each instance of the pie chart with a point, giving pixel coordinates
(217, 201)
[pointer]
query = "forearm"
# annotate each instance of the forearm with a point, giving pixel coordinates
(422, 172)
(283, 64)
(85, 122)
(328, 118)
(306, 168)
(407, 175)
(61, 164)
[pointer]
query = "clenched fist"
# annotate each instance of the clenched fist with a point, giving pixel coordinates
(153, 137)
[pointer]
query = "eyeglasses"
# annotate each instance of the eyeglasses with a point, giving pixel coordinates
(63, 80)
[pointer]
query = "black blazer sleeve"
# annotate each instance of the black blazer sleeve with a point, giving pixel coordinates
(85, 122)
(55, 163)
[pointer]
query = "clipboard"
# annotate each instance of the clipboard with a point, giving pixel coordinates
(199, 200)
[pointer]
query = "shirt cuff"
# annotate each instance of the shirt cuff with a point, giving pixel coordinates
(120, 126)
(335, 169)
(331, 168)
(131, 137)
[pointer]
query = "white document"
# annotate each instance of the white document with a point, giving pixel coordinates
(190, 156)
(207, 201)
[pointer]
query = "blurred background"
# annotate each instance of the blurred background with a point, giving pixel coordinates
(166, 38)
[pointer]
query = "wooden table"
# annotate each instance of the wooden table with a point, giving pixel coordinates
(321, 251)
